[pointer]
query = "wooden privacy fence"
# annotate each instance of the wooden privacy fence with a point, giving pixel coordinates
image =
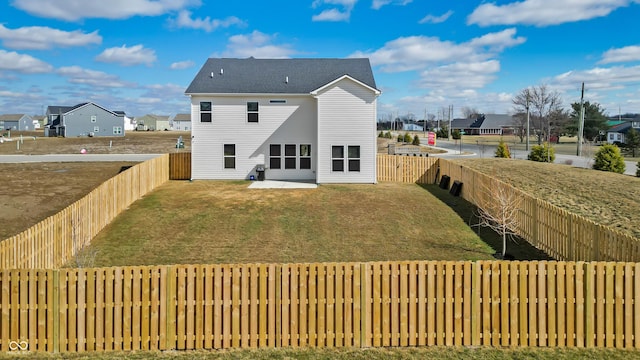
(559, 233)
(57, 239)
(485, 303)
(180, 166)
(407, 169)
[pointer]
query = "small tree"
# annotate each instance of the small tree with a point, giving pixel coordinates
(638, 169)
(498, 207)
(416, 140)
(632, 141)
(381, 134)
(407, 138)
(502, 151)
(400, 138)
(388, 135)
(542, 153)
(609, 158)
(455, 134)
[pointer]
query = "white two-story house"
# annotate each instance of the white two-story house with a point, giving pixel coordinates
(298, 119)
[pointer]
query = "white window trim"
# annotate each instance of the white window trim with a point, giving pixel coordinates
(247, 112)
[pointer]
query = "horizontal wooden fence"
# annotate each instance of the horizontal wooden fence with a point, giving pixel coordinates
(559, 233)
(484, 303)
(57, 239)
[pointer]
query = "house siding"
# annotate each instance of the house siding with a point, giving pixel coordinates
(293, 122)
(347, 116)
(78, 122)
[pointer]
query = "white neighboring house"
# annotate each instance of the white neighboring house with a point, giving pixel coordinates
(617, 133)
(300, 119)
(181, 122)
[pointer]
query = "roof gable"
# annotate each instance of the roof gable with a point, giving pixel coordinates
(325, 86)
(276, 76)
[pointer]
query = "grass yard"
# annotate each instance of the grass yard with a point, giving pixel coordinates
(604, 197)
(225, 222)
(452, 353)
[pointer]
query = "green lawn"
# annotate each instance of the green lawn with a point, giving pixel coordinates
(225, 222)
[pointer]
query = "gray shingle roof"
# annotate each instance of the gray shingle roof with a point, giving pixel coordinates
(269, 76)
(497, 121)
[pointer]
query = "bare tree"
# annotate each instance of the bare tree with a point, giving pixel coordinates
(541, 103)
(469, 112)
(498, 207)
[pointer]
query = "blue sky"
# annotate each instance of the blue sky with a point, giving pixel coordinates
(140, 55)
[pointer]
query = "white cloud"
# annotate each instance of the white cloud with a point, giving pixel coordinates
(180, 65)
(543, 12)
(73, 10)
(419, 52)
(93, 78)
(184, 20)
(377, 4)
(128, 56)
(340, 13)
(625, 54)
(432, 19)
(460, 75)
(601, 78)
(258, 45)
(41, 38)
(22, 63)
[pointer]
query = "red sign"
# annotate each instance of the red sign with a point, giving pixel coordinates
(431, 138)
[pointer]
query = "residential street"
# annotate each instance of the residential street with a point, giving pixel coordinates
(475, 151)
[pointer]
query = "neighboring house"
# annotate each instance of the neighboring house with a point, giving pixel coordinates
(412, 127)
(39, 121)
(464, 125)
(182, 122)
(300, 119)
(617, 133)
(129, 123)
(86, 119)
(153, 122)
(17, 122)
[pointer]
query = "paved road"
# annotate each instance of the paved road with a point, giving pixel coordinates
(475, 151)
(75, 158)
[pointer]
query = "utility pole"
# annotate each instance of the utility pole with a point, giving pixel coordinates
(450, 111)
(527, 120)
(581, 124)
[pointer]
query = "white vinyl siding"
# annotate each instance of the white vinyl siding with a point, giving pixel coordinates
(293, 122)
(347, 117)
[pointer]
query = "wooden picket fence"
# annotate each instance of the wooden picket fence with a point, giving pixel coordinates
(58, 238)
(559, 233)
(379, 304)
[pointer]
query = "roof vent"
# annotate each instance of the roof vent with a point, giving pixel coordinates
(211, 75)
(221, 71)
(286, 79)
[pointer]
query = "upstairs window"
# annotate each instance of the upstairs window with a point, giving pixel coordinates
(205, 111)
(252, 111)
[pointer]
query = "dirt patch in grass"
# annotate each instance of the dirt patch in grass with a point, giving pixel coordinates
(134, 142)
(32, 192)
(225, 222)
(606, 198)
